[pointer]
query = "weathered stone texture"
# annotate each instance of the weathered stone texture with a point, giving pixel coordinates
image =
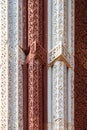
(80, 65)
(61, 64)
(3, 65)
(35, 65)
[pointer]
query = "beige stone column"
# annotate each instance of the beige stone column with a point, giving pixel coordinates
(61, 64)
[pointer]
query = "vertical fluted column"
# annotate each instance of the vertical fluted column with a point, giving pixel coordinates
(60, 61)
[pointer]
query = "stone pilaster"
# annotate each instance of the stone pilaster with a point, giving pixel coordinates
(35, 48)
(61, 64)
(37, 88)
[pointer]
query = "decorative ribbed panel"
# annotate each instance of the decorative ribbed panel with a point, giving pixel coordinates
(61, 64)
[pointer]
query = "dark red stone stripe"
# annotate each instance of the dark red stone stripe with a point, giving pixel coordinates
(25, 96)
(25, 24)
(80, 94)
(45, 66)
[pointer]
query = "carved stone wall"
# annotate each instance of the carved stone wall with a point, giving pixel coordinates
(80, 65)
(23, 65)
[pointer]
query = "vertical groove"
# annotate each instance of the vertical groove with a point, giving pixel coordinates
(25, 96)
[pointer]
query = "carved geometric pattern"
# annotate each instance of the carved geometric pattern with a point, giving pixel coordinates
(39, 52)
(35, 95)
(59, 22)
(60, 53)
(36, 57)
(59, 116)
(35, 25)
(12, 58)
(36, 50)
